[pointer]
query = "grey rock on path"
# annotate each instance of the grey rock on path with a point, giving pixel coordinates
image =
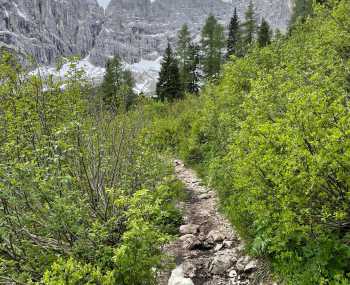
(208, 251)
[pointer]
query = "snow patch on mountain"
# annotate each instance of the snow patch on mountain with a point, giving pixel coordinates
(92, 73)
(144, 72)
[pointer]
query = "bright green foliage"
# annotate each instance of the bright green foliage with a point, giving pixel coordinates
(304, 8)
(212, 44)
(117, 86)
(249, 27)
(264, 34)
(234, 36)
(65, 163)
(139, 254)
(149, 218)
(169, 83)
(273, 138)
(71, 272)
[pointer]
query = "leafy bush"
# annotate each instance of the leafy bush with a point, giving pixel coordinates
(273, 136)
(65, 164)
(71, 272)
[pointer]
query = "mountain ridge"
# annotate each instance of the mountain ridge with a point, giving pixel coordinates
(134, 29)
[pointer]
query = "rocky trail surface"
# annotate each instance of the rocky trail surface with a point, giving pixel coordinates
(208, 251)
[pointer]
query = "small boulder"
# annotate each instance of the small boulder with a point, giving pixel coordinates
(189, 229)
(186, 237)
(232, 274)
(189, 269)
(242, 263)
(208, 245)
(177, 277)
(251, 266)
(222, 262)
(216, 236)
(218, 247)
(191, 242)
(205, 196)
(228, 243)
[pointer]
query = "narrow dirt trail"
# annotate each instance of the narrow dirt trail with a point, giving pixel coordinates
(208, 252)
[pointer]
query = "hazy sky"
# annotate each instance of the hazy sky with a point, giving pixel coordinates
(104, 3)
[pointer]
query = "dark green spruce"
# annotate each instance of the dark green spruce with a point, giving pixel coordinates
(117, 86)
(192, 70)
(264, 34)
(234, 36)
(188, 58)
(169, 83)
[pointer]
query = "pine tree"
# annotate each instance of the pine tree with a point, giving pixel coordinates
(302, 8)
(264, 34)
(192, 85)
(249, 26)
(128, 94)
(234, 36)
(117, 86)
(212, 43)
(169, 83)
(182, 51)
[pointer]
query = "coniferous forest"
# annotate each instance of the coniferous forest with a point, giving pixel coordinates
(88, 193)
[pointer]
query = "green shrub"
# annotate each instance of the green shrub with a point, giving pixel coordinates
(273, 138)
(71, 272)
(63, 163)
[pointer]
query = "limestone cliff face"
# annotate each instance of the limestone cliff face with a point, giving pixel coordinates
(137, 29)
(47, 29)
(134, 29)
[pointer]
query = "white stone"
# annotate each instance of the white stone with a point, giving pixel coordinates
(177, 277)
(252, 265)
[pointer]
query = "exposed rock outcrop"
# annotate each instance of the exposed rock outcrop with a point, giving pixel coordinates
(137, 29)
(133, 29)
(47, 29)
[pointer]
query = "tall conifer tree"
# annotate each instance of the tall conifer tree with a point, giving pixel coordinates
(169, 83)
(212, 44)
(264, 34)
(183, 53)
(192, 85)
(234, 36)
(302, 8)
(249, 26)
(117, 86)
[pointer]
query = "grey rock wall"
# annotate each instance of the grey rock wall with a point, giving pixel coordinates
(137, 29)
(133, 29)
(48, 29)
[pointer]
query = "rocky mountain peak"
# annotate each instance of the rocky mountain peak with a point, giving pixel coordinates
(136, 30)
(48, 29)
